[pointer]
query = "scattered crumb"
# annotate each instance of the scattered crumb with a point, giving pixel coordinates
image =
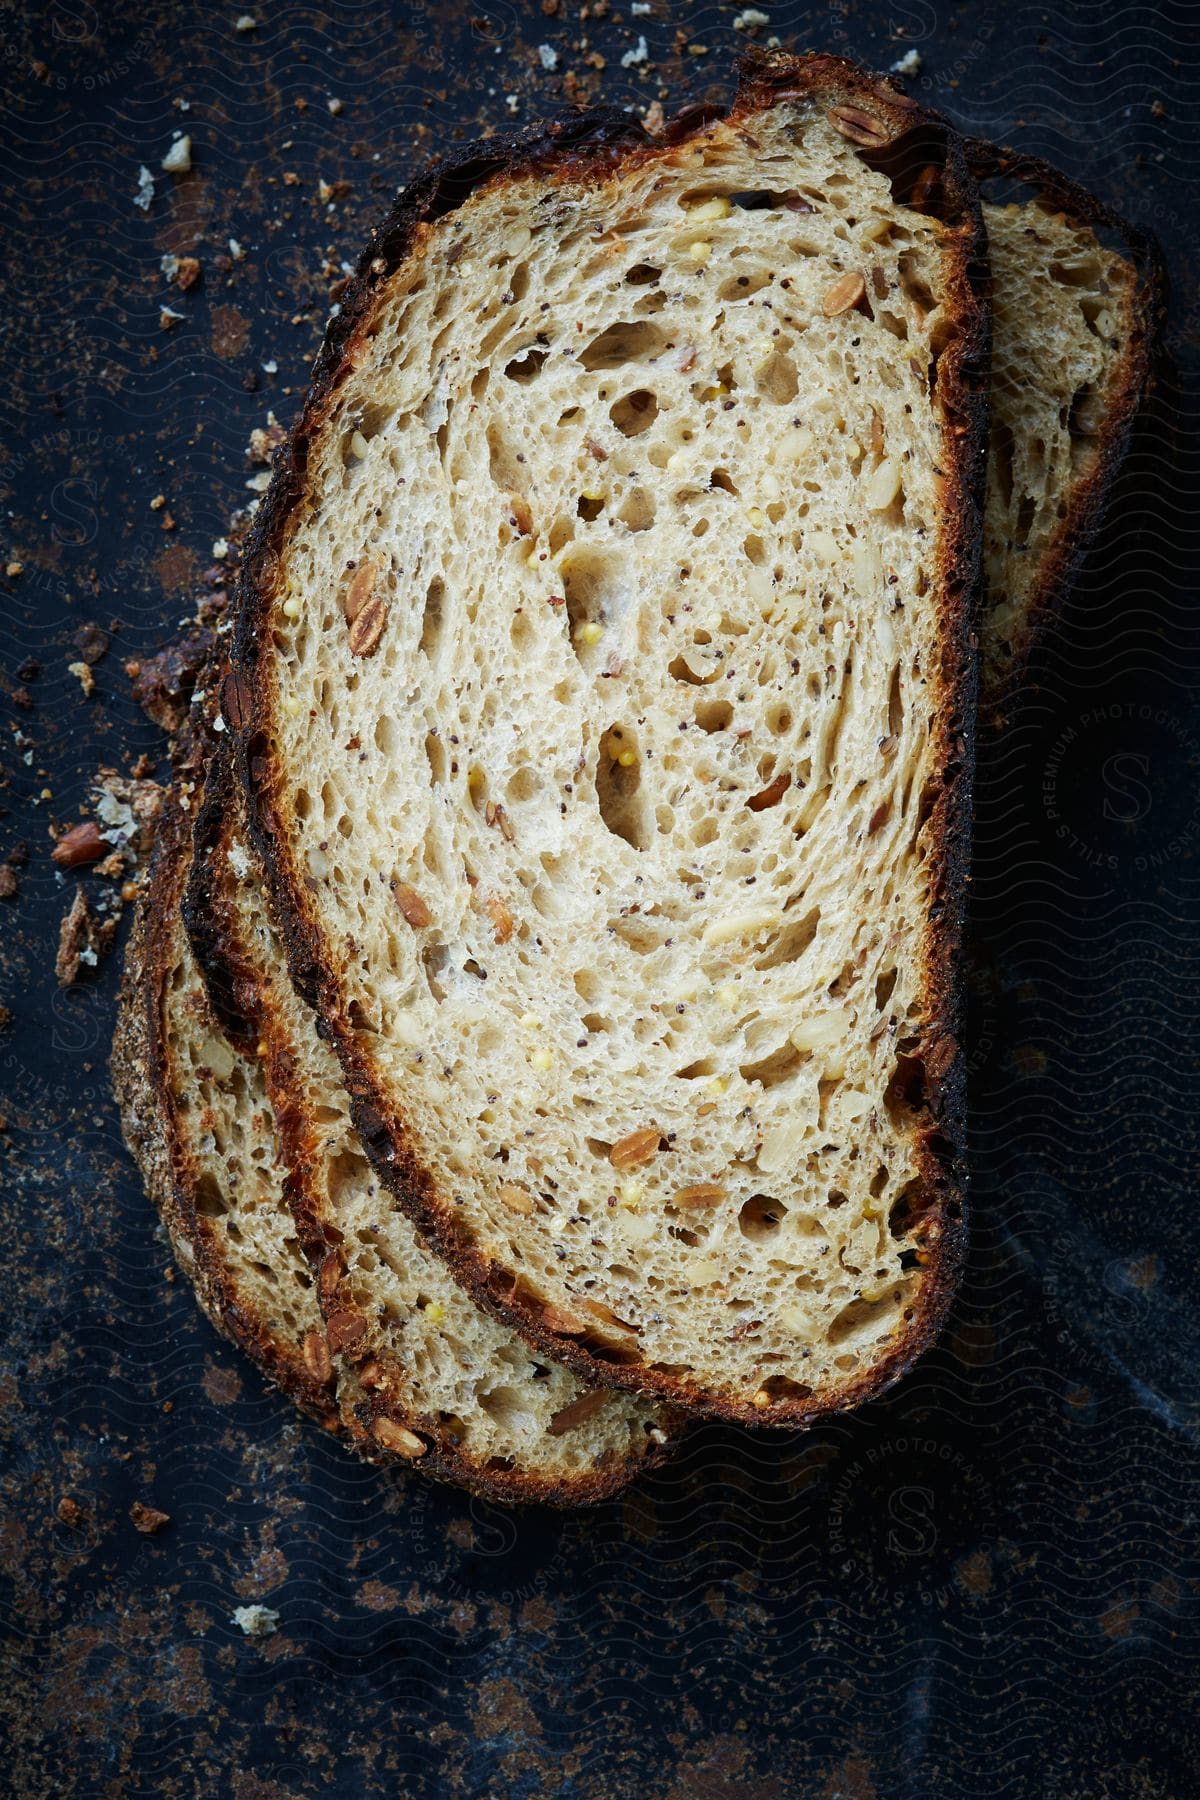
(335, 106)
(13, 569)
(77, 941)
(264, 441)
(127, 808)
(750, 18)
(246, 22)
(640, 54)
(547, 56)
(69, 1511)
(84, 676)
(178, 159)
(9, 885)
(654, 119)
(255, 1621)
(908, 64)
(91, 641)
(148, 1519)
(145, 192)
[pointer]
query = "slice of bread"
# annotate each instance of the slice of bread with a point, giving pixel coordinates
(422, 1372)
(1077, 296)
(603, 690)
(198, 1123)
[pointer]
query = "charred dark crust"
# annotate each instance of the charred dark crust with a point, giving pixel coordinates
(233, 979)
(1143, 308)
(922, 154)
(142, 1080)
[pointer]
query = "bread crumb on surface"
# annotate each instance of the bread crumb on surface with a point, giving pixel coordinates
(255, 1621)
(178, 159)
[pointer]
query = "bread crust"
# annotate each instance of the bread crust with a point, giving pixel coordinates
(141, 1075)
(592, 145)
(239, 997)
(1142, 313)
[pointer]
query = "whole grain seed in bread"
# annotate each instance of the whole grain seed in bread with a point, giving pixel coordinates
(638, 802)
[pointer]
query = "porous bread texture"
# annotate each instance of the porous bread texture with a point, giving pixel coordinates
(1063, 316)
(607, 694)
(425, 1357)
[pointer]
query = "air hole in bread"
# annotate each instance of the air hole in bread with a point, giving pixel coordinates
(524, 785)
(211, 1203)
(638, 510)
(507, 1406)
(777, 379)
(783, 1387)
(742, 287)
(760, 1217)
(634, 413)
(590, 506)
(913, 283)
(714, 715)
(641, 274)
(770, 1071)
(618, 787)
(859, 1318)
(1086, 414)
(433, 615)
(895, 703)
(628, 341)
(528, 366)
(590, 578)
(885, 984)
(1084, 272)
(790, 944)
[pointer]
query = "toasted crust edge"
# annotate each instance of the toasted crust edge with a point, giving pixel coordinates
(141, 1076)
(1143, 309)
(597, 143)
(238, 997)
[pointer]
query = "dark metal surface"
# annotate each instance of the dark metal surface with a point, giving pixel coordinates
(986, 1584)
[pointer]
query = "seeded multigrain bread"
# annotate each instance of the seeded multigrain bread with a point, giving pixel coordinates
(198, 1123)
(603, 691)
(1076, 302)
(422, 1372)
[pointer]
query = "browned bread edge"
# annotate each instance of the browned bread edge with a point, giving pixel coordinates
(1087, 497)
(142, 1083)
